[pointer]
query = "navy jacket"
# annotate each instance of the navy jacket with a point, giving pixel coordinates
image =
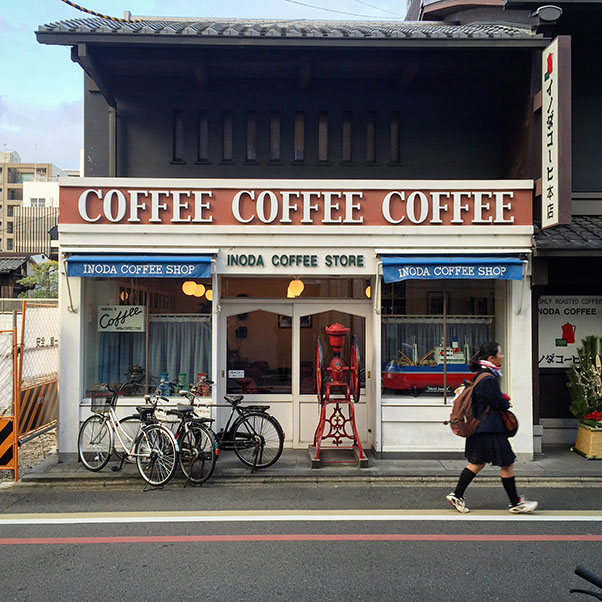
(488, 393)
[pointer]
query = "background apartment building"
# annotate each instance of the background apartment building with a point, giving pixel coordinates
(28, 204)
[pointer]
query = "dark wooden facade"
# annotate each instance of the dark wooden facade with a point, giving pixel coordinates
(404, 103)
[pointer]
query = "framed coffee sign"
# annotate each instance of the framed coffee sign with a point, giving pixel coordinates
(121, 318)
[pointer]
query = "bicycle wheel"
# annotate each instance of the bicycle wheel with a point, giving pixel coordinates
(197, 454)
(129, 427)
(156, 453)
(258, 439)
(94, 443)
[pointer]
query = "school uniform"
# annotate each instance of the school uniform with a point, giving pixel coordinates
(489, 444)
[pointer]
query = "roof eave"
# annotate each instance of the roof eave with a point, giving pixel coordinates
(70, 39)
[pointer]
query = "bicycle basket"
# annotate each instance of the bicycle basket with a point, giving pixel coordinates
(202, 410)
(161, 414)
(100, 401)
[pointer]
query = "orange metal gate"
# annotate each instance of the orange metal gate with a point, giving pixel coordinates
(8, 397)
(38, 400)
(29, 358)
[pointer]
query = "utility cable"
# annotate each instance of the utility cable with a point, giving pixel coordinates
(384, 10)
(330, 10)
(92, 12)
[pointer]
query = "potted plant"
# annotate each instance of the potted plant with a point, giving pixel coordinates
(585, 389)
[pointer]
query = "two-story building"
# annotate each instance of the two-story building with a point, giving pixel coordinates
(248, 183)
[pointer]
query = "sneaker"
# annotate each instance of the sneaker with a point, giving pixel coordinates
(457, 502)
(523, 506)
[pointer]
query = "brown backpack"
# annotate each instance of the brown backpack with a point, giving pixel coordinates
(461, 420)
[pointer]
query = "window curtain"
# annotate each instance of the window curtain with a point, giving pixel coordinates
(179, 343)
(119, 351)
(401, 334)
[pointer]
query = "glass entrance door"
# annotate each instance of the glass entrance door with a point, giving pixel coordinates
(269, 356)
(258, 352)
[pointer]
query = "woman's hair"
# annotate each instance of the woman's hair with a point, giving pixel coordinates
(484, 351)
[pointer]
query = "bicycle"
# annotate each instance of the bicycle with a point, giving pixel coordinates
(198, 449)
(152, 445)
(593, 579)
(254, 435)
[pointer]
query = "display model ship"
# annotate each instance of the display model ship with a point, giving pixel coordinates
(426, 373)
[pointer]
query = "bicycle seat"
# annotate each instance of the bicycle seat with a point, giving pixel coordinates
(234, 399)
(181, 410)
(144, 411)
(257, 408)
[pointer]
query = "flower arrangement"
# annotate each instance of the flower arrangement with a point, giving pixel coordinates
(593, 419)
(585, 381)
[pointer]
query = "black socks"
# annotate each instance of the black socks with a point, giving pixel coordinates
(466, 477)
(510, 487)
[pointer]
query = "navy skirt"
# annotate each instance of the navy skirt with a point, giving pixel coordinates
(489, 448)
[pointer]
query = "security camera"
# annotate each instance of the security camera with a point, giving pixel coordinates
(548, 13)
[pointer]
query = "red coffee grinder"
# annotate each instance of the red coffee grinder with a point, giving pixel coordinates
(335, 386)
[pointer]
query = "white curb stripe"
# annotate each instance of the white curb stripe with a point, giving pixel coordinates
(334, 516)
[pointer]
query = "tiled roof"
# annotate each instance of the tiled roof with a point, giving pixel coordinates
(290, 29)
(9, 265)
(583, 233)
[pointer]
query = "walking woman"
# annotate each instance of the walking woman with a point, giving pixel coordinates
(489, 444)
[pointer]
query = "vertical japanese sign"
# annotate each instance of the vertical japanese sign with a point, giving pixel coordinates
(556, 133)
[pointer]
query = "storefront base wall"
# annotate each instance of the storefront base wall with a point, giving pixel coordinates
(418, 428)
(422, 431)
(283, 412)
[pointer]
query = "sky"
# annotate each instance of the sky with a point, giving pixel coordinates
(41, 90)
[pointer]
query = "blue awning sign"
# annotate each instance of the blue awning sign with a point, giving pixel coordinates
(139, 266)
(449, 267)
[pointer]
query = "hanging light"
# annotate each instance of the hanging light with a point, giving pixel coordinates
(209, 294)
(189, 287)
(124, 295)
(199, 290)
(295, 288)
(368, 292)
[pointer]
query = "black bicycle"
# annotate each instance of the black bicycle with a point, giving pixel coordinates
(198, 446)
(254, 435)
(593, 579)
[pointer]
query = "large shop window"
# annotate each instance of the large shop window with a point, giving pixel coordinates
(432, 325)
(146, 326)
(157, 326)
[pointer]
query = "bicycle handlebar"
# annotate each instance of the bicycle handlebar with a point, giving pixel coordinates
(588, 576)
(109, 388)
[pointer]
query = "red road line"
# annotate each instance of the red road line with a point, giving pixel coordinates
(296, 537)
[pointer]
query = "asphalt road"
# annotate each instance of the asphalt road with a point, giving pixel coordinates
(293, 542)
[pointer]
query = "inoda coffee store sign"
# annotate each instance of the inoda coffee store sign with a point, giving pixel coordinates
(121, 318)
(563, 322)
(406, 204)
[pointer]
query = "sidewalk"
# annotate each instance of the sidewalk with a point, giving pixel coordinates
(556, 465)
